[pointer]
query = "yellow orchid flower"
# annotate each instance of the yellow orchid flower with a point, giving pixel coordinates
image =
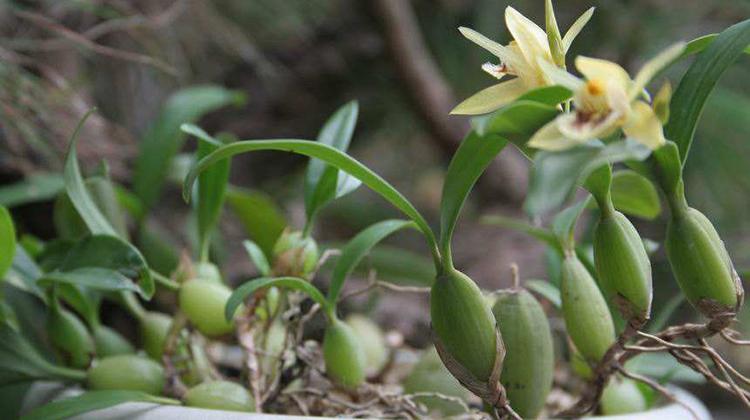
(520, 58)
(606, 100)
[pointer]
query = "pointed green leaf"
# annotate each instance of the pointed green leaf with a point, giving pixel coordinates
(164, 138)
(635, 195)
(546, 290)
(259, 215)
(90, 401)
(471, 159)
(331, 156)
(322, 182)
(91, 277)
(356, 249)
(699, 81)
(96, 222)
(7, 241)
(35, 188)
(257, 256)
(555, 175)
(241, 293)
(540, 233)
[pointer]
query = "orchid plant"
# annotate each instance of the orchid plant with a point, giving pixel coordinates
(600, 132)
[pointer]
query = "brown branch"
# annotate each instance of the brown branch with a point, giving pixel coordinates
(52, 26)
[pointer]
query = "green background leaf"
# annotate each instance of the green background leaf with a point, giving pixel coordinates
(323, 183)
(90, 401)
(241, 293)
(635, 195)
(259, 215)
(7, 241)
(356, 249)
(699, 81)
(164, 138)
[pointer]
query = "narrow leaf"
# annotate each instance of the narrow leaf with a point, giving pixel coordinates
(699, 81)
(356, 249)
(471, 159)
(35, 188)
(164, 138)
(91, 277)
(635, 195)
(322, 181)
(90, 401)
(545, 289)
(555, 175)
(331, 156)
(212, 185)
(7, 241)
(257, 256)
(259, 215)
(241, 293)
(540, 233)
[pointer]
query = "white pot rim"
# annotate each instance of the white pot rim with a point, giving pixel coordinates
(43, 392)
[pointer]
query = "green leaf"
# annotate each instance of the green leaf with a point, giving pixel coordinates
(20, 361)
(7, 241)
(211, 189)
(555, 175)
(546, 290)
(257, 256)
(322, 182)
(670, 166)
(113, 253)
(635, 195)
(160, 253)
(698, 82)
(699, 44)
(77, 191)
(564, 223)
(164, 138)
(89, 212)
(91, 277)
(24, 272)
(331, 156)
(90, 401)
(518, 121)
(471, 159)
(241, 293)
(399, 265)
(356, 249)
(39, 187)
(259, 215)
(540, 233)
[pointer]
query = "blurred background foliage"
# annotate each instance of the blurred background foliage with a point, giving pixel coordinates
(296, 61)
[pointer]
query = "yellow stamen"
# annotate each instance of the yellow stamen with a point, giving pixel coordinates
(595, 87)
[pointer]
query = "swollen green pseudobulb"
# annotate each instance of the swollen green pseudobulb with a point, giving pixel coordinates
(110, 343)
(622, 396)
(202, 301)
(623, 265)
(587, 317)
(70, 337)
(464, 323)
(127, 372)
(220, 395)
(154, 329)
(430, 376)
(529, 362)
(295, 255)
(207, 271)
(344, 357)
(372, 341)
(272, 342)
(701, 263)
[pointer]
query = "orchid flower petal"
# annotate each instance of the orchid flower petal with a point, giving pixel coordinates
(653, 66)
(531, 39)
(491, 98)
(495, 48)
(644, 126)
(559, 76)
(576, 28)
(550, 138)
(598, 69)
